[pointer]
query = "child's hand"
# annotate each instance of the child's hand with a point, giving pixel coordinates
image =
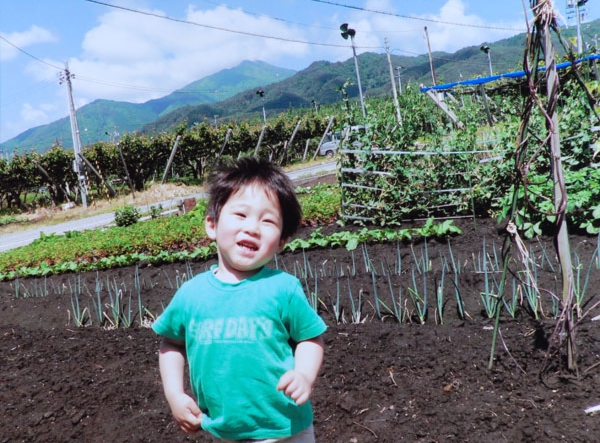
(186, 413)
(295, 385)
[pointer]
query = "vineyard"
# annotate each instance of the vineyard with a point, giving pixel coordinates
(427, 165)
(455, 261)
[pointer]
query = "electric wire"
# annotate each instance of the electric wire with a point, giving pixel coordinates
(29, 55)
(336, 29)
(259, 15)
(44, 84)
(443, 22)
(220, 28)
(188, 22)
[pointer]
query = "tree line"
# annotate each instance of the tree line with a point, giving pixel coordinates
(32, 179)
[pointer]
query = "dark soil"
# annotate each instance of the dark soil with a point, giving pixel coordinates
(382, 381)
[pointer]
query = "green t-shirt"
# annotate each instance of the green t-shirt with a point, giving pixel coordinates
(237, 338)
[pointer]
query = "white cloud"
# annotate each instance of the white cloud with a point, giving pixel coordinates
(406, 36)
(157, 55)
(34, 115)
(30, 116)
(32, 36)
(131, 57)
(444, 35)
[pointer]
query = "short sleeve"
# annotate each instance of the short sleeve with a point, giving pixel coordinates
(171, 323)
(304, 322)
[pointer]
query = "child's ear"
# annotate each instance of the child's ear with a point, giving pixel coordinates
(282, 243)
(210, 227)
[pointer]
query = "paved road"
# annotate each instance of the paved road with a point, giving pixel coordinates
(11, 241)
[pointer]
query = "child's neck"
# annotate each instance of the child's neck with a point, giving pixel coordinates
(227, 276)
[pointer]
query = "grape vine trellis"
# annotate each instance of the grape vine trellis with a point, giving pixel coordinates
(427, 165)
(545, 147)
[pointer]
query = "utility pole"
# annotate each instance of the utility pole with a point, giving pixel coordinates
(579, 7)
(578, 14)
(595, 52)
(396, 104)
(399, 80)
(77, 163)
(430, 57)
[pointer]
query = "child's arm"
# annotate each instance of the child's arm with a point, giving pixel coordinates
(298, 382)
(172, 364)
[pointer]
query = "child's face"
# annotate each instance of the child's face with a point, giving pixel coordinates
(248, 233)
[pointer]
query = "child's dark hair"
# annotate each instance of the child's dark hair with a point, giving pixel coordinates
(245, 171)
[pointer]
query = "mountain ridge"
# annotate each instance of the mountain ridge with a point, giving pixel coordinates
(231, 93)
(102, 119)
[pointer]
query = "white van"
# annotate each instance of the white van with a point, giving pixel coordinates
(330, 147)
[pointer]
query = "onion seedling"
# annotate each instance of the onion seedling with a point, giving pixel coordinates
(420, 303)
(356, 307)
(511, 305)
(97, 302)
(79, 315)
(376, 294)
(440, 296)
(336, 306)
(396, 305)
(488, 299)
(398, 259)
(579, 290)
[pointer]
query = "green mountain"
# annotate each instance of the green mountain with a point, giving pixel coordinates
(100, 119)
(322, 81)
(231, 94)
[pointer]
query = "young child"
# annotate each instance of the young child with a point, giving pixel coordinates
(252, 341)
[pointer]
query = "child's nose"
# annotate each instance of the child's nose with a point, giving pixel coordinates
(251, 225)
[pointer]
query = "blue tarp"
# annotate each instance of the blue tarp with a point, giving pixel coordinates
(516, 74)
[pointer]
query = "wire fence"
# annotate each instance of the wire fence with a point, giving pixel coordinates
(382, 186)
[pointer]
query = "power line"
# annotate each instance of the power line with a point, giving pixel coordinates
(101, 82)
(15, 96)
(255, 14)
(142, 88)
(219, 28)
(327, 28)
(30, 55)
(466, 25)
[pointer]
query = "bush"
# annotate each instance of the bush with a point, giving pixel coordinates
(155, 211)
(127, 216)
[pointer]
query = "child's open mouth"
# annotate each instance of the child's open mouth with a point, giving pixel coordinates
(248, 246)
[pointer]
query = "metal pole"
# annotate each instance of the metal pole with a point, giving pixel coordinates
(260, 138)
(399, 80)
(331, 119)
(430, 57)
(579, 43)
(171, 157)
(595, 51)
(396, 104)
(486, 49)
(126, 170)
(362, 103)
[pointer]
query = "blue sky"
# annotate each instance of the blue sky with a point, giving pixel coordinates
(118, 54)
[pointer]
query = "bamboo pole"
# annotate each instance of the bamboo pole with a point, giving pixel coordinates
(560, 193)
